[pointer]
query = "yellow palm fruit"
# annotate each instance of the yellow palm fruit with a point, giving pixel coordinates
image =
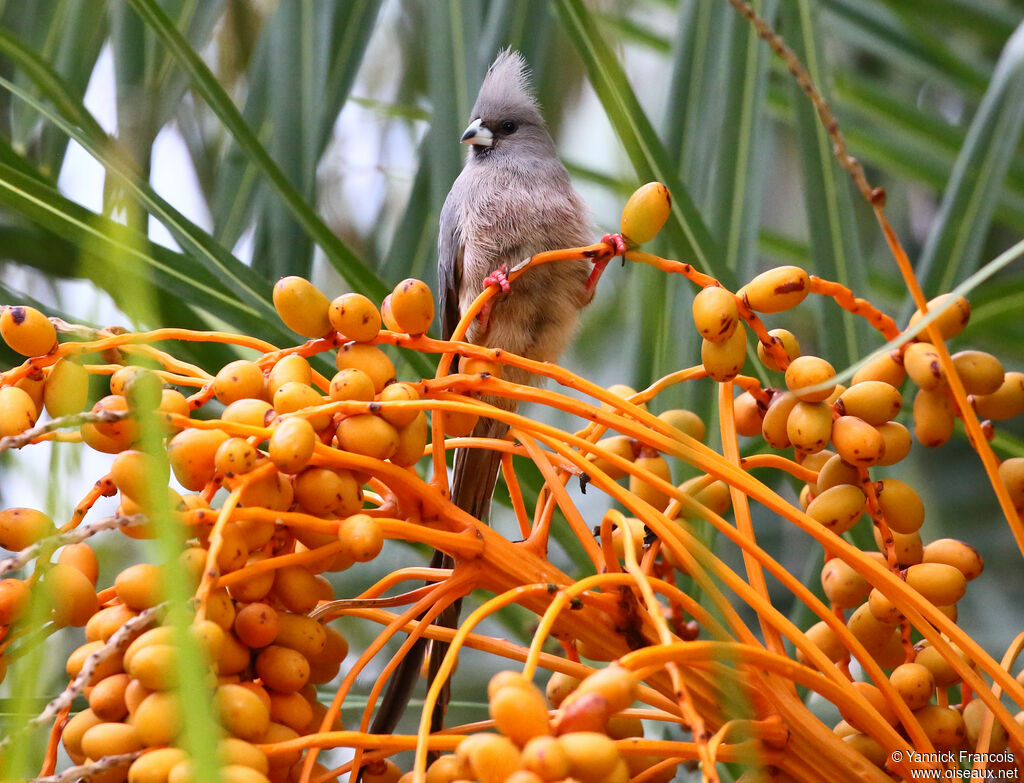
(749, 414)
(14, 600)
(810, 371)
(975, 713)
(1005, 402)
(294, 396)
(934, 417)
(412, 306)
(191, 454)
(238, 380)
(786, 340)
(140, 586)
(33, 385)
(715, 313)
(351, 384)
(398, 392)
(657, 465)
(370, 359)
(885, 367)
(156, 765)
(544, 756)
(809, 426)
(939, 583)
(324, 491)
(232, 750)
(921, 361)
(856, 441)
(838, 508)
(774, 424)
(868, 747)
(591, 755)
(954, 317)
(944, 726)
(361, 536)
(981, 373)
(110, 739)
(520, 712)
(242, 713)
(17, 411)
(67, 388)
(22, 527)
(685, 421)
(901, 505)
(302, 306)
(250, 411)
(412, 440)
(491, 757)
(897, 442)
(907, 547)
(27, 331)
(645, 213)
(354, 317)
(723, 361)
(955, 553)
(287, 369)
(876, 402)
(235, 456)
(559, 686)
(776, 290)
(914, 683)
(836, 471)
(367, 434)
(292, 444)
(883, 608)
(843, 586)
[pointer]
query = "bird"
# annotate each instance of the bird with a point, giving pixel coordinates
(512, 200)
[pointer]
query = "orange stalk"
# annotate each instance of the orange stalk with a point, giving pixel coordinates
(741, 510)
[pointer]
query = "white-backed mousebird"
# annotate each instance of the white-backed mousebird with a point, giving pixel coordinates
(512, 200)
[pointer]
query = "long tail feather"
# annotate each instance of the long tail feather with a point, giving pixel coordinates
(473, 480)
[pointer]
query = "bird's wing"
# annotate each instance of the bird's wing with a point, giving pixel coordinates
(450, 248)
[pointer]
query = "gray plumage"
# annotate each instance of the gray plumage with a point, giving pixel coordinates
(512, 200)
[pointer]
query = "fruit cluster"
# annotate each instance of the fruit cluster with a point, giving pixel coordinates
(283, 476)
(534, 746)
(813, 413)
(257, 573)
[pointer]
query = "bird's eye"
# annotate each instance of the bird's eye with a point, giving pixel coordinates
(509, 127)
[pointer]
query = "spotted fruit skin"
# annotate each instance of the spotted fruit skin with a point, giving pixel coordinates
(27, 331)
(645, 213)
(776, 290)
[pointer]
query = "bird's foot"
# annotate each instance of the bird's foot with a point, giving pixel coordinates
(498, 277)
(617, 242)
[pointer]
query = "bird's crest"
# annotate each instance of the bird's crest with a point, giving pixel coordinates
(506, 86)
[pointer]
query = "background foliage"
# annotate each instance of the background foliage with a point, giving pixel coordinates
(323, 139)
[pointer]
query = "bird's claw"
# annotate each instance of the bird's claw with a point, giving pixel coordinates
(499, 277)
(617, 242)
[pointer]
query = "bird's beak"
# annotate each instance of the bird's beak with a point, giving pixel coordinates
(479, 134)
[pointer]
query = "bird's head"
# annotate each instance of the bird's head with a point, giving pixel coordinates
(506, 119)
